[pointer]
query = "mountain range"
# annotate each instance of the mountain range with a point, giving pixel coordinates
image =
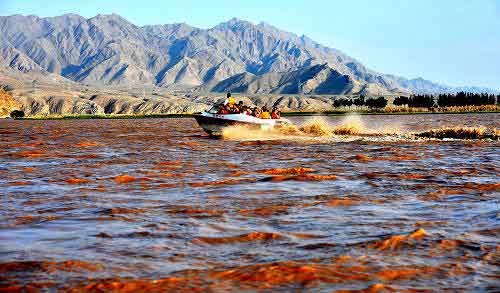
(238, 56)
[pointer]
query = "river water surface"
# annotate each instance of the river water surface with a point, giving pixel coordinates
(156, 205)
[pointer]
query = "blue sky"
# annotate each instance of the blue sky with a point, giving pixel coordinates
(456, 42)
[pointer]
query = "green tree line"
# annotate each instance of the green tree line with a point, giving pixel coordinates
(372, 103)
(446, 100)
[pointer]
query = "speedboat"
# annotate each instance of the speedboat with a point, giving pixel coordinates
(214, 123)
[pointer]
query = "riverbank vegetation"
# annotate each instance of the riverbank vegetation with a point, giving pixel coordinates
(443, 103)
(461, 133)
(105, 116)
(461, 102)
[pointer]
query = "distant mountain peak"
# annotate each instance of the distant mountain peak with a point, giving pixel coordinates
(109, 16)
(234, 24)
(266, 25)
(236, 20)
(70, 15)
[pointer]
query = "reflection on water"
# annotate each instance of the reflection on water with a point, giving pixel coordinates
(156, 205)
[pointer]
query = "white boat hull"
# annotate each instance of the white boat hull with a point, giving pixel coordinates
(214, 124)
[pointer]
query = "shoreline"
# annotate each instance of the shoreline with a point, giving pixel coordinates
(285, 114)
(334, 113)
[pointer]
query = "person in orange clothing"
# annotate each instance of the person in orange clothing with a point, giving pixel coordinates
(229, 101)
(265, 113)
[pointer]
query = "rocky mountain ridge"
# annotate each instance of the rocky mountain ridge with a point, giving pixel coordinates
(108, 50)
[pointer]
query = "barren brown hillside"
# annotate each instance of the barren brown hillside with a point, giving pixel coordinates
(7, 103)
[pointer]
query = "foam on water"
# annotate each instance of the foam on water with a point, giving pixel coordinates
(316, 128)
(352, 127)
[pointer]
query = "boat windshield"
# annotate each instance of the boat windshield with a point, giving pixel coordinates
(214, 110)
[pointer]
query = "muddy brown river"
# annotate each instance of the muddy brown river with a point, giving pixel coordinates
(156, 205)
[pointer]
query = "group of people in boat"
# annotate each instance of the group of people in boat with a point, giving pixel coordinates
(230, 107)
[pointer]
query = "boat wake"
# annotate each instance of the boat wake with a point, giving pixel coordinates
(317, 128)
(352, 128)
